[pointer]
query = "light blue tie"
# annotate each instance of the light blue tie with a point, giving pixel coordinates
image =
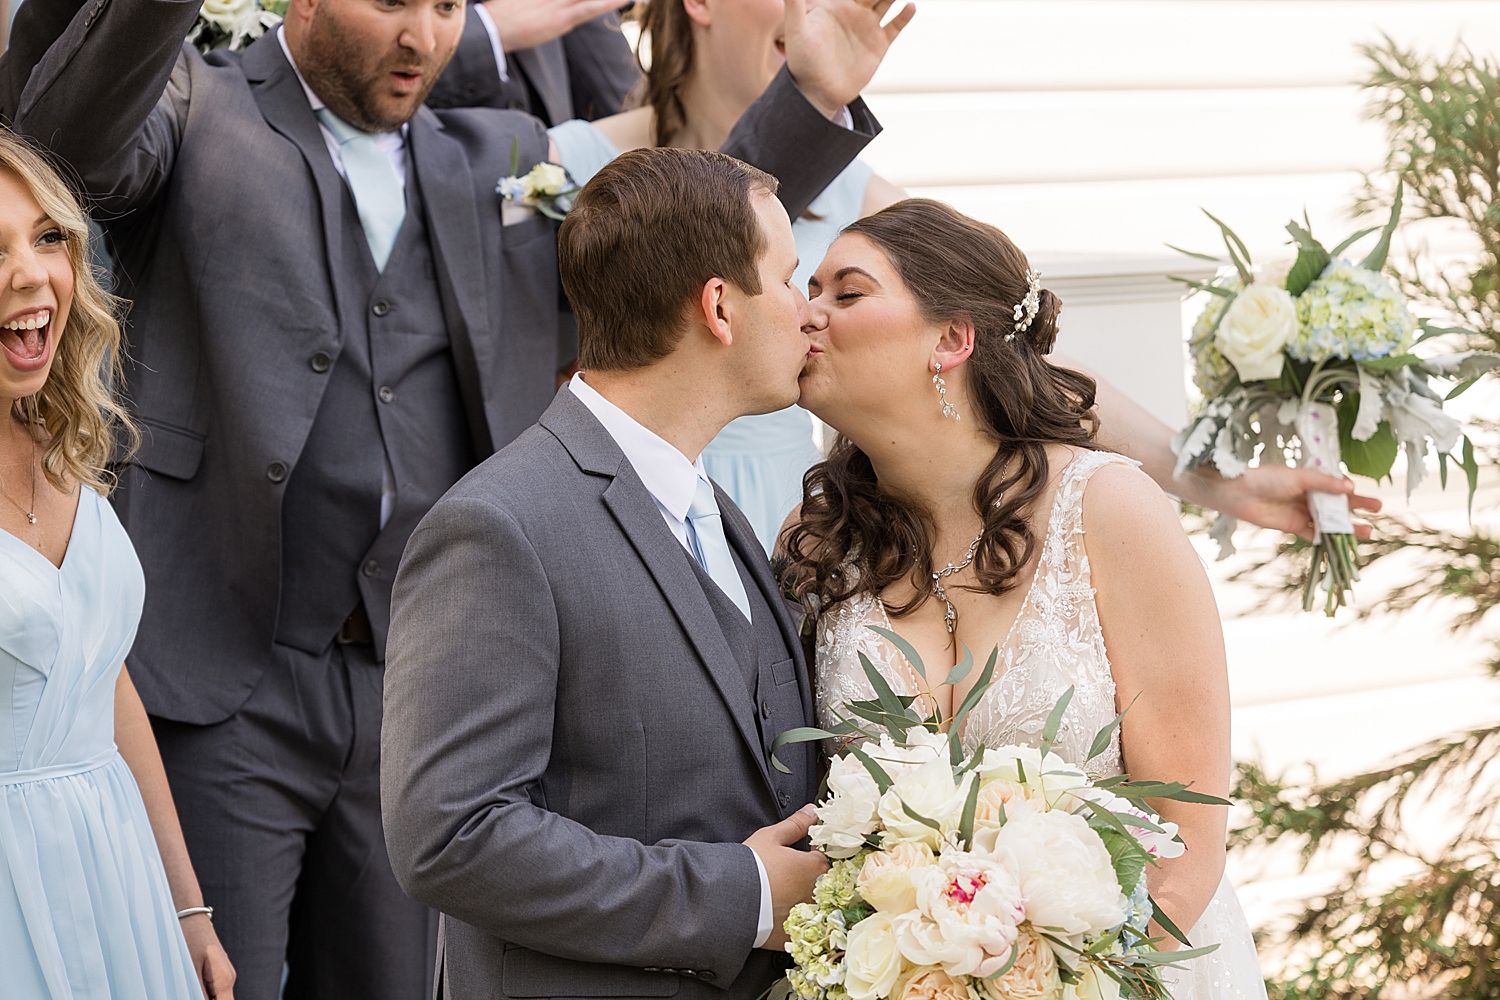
(378, 193)
(713, 548)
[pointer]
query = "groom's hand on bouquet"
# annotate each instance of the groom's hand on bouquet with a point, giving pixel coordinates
(791, 872)
(1275, 496)
(833, 47)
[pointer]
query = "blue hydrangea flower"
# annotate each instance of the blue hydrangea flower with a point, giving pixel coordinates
(1350, 312)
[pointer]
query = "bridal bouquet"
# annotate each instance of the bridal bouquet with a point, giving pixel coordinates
(1003, 874)
(234, 24)
(1309, 360)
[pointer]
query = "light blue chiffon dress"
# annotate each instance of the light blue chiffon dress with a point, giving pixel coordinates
(759, 460)
(85, 911)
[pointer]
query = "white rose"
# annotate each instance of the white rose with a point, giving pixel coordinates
(1051, 776)
(225, 14)
(930, 792)
(969, 911)
(885, 880)
(1274, 273)
(848, 814)
(1064, 871)
(872, 960)
(1257, 326)
(922, 746)
(544, 180)
(1092, 985)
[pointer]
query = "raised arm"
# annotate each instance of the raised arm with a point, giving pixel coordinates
(98, 95)
(470, 690)
(37, 26)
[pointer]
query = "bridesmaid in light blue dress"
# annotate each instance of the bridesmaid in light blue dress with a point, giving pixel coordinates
(705, 72)
(87, 909)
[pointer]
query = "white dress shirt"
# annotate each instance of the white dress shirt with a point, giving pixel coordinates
(671, 480)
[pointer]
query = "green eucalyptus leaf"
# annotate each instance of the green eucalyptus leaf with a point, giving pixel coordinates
(1352, 240)
(1203, 286)
(1462, 387)
(888, 700)
(1375, 261)
(976, 692)
(1166, 922)
(1237, 251)
(515, 156)
(1101, 738)
(882, 780)
(1054, 721)
(1391, 362)
(802, 734)
(1194, 253)
(1471, 470)
(907, 650)
(962, 668)
(920, 818)
(966, 819)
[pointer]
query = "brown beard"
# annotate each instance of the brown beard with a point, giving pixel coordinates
(347, 76)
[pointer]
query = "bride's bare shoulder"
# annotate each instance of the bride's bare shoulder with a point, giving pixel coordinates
(1131, 529)
(629, 129)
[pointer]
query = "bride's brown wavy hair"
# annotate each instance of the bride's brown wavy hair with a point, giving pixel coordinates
(954, 266)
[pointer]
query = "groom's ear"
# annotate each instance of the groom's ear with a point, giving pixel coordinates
(711, 310)
(955, 345)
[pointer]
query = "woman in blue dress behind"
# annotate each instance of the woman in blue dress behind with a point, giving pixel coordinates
(98, 900)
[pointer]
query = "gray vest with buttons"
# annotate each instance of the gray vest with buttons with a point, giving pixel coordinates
(392, 394)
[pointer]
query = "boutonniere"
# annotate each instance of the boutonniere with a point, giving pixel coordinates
(234, 24)
(546, 187)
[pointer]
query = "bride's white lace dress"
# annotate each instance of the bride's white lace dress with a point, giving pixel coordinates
(1055, 643)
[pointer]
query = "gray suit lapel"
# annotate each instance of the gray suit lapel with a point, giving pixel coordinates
(546, 67)
(283, 104)
(447, 184)
(638, 516)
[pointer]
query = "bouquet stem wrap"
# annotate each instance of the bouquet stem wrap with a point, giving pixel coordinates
(1333, 563)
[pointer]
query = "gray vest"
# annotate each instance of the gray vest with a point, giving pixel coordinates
(770, 673)
(392, 395)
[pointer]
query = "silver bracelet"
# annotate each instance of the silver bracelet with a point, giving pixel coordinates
(196, 909)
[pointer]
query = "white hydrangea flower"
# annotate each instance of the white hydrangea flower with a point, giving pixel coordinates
(1350, 312)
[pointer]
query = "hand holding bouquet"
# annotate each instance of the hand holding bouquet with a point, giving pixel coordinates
(1309, 361)
(1002, 874)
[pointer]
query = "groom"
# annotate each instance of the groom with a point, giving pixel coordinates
(588, 656)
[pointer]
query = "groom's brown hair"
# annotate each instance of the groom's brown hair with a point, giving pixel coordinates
(642, 239)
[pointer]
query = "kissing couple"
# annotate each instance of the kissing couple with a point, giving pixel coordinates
(590, 657)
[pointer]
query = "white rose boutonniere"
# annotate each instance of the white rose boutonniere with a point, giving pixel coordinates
(234, 24)
(1257, 326)
(546, 187)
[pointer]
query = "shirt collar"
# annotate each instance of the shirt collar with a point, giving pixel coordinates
(666, 472)
(313, 99)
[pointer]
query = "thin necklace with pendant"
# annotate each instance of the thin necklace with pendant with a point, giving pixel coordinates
(31, 514)
(950, 616)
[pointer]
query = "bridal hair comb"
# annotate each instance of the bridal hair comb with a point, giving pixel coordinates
(1028, 307)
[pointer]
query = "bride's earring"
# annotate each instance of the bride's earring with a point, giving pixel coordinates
(949, 410)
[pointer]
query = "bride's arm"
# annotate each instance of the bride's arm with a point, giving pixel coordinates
(1272, 496)
(1166, 650)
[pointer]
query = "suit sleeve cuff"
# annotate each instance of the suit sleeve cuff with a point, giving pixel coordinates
(767, 921)
(482, 12)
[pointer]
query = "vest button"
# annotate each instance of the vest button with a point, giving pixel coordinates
(276, 471)
(370, 568)
(381, 307)
(386, 394)
(321, 362)
(765, 710)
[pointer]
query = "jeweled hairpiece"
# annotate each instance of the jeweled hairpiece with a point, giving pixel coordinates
(1028, 307)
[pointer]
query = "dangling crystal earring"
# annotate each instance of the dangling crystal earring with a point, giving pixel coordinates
(949, 410)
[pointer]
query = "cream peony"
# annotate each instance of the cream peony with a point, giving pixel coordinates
(969, 910)
(1092, 985)
(848, 814)
(885, 881)
(933, 984)
(1033, 977)
(1065, 872)
(227, 14)
(872, 961)
(928, 791)
(1253, 332)
(1050, 776)
(922, 746)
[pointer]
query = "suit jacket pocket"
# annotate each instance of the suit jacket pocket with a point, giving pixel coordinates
(168, 449)
(784, 671)
(530, 973)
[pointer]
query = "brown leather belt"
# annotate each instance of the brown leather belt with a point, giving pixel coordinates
(356, 629)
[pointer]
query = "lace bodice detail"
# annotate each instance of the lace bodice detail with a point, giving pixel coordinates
(1055, 643)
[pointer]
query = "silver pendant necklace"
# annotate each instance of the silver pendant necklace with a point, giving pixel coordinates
(950, 616)
(30, 514)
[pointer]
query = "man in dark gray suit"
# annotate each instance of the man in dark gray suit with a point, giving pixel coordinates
(589, 658)
(333, 321)
(558, 60)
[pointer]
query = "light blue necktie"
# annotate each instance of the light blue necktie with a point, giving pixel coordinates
(713, 548)
(378, 193)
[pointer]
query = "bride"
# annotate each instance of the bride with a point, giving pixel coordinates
(965, 503)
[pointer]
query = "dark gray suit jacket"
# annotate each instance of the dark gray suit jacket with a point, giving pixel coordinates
(224, 210)
(586, 73)
(569, 754)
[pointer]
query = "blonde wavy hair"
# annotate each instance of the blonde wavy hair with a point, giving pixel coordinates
(75, 414)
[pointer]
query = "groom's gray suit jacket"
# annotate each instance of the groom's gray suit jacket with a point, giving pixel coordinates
(240, 246)
(576, 734)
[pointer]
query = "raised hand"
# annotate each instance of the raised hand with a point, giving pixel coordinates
(791, 872)
(833, 47)
(1275, 496)
(525, 24)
